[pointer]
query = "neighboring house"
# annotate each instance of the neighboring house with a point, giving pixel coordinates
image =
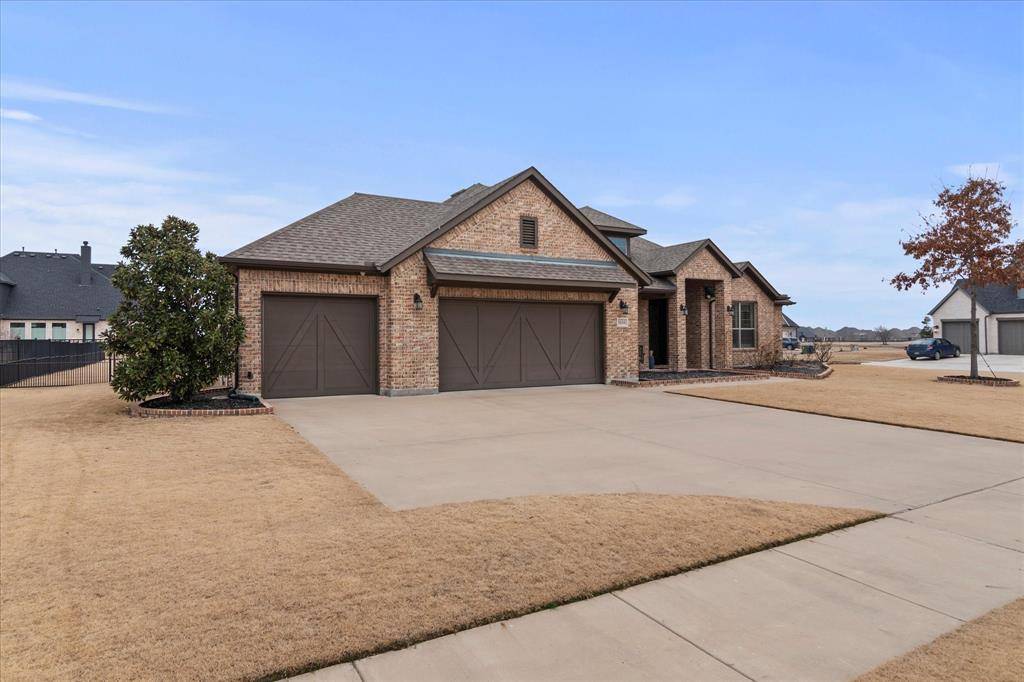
(1000, 318)
(497, 286)
(790, 329)
(60, 296)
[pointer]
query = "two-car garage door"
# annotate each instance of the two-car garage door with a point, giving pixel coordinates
(497, 344)
(319, 345)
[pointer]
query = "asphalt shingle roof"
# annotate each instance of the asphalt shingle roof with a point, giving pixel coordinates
(787, 321)
(360, 230)
(46, 286)
(657, 258)
(449, 262)
(997, 298)
(605, 220)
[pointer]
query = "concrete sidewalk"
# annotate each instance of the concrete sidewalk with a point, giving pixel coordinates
(828, 608)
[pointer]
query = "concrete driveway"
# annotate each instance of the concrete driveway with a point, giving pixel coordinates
(826, 608)
(998, 363)
(454, 447)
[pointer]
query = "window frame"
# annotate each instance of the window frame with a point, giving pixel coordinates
(63, 326)
(624, 238)
(20, 326)
(737, 330)
(522, 233)
(37, 325)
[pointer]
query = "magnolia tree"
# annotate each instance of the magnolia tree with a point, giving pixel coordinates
(967, 242)
(176, 330)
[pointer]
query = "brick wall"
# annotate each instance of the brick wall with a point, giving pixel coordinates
(691, 339)
(252, 284)
(769, 316)
(495, 228)
(643, 333)
(411, 340)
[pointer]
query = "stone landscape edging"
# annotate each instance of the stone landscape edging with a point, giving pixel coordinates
(980, 381)
(827, 372)
(136, 410)
(656, 383)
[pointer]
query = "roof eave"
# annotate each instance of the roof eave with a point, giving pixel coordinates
(309, 266)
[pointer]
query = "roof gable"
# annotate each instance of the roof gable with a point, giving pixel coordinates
(747, 268)
(610, 223)
(662, 260)
(482, 198)
(994, 298)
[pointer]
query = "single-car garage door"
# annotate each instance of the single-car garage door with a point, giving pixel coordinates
(958, 333)
(489, 344)
(1011, 337)
(318, 345)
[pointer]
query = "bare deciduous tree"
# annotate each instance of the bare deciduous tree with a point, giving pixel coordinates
(968, 242)
(884, 333)
(823, 351)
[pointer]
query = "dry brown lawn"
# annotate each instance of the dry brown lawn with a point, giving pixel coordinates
(843, 353)
(231, 548)
(990, 648)
(905, 397)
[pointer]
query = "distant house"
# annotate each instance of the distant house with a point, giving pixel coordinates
(790, 329)
(1000, 318)
(60, 296)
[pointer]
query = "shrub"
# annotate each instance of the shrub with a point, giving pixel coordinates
(767, 355)
(176, 330)
(823, 351)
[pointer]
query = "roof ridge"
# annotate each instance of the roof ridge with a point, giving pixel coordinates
(386, 196)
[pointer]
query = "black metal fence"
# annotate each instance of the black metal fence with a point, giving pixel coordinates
(66, 369)
(25, 349)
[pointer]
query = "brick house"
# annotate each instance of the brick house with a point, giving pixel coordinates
(498, 286)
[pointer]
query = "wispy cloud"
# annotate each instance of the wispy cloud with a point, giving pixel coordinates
(21, 90)
(677, 198)
(19, 115)
(990, 169)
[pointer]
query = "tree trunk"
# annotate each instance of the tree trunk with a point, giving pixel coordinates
(974, 334)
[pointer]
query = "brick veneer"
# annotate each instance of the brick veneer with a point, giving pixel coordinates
(691, 341)
(407, 338)
(769, 317)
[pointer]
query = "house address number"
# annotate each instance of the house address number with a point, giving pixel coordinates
(622, 322)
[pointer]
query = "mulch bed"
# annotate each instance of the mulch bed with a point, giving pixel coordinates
(221, 402)
(686, 374)
(652, 379)
(980, 381)
(802, 369)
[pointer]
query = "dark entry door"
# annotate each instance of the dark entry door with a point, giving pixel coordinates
(489, 344)
(316, 345)
(958, 333)
(657, 312)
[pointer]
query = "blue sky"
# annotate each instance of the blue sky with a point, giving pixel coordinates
(802, 137)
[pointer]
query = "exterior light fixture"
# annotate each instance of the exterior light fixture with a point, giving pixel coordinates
(623, 306)
(682, 309)
(417, 301)
(709, 293)
(728, 309)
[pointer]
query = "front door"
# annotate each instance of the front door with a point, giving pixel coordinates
(657, 311)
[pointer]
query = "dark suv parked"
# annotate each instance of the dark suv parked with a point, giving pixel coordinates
(932, 348)
(790, 343)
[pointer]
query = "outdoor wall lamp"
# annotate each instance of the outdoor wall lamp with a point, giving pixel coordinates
(728, 309)
(623, 306)
(709, 293)
(682, 309)
(417, 301)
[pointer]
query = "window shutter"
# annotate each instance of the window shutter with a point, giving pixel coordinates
(528, 232)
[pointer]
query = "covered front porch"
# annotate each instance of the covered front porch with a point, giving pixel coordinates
(685, 324)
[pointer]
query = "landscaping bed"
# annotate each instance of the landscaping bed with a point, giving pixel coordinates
(656, 378)
(888, 395)
(980, 381)
(129, 541)
(795, 369)
(220, 402)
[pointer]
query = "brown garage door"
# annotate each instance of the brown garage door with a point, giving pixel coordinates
(315, 345)
(1011, 337)
(958, 333)
(488, 344)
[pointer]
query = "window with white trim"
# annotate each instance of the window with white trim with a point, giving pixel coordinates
(38, 330)
(744, 324)
(17, 330)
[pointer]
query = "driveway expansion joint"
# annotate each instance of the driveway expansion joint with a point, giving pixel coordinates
(685, 639)
(868, 585)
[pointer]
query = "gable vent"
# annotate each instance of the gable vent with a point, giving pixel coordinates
(528, 232)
